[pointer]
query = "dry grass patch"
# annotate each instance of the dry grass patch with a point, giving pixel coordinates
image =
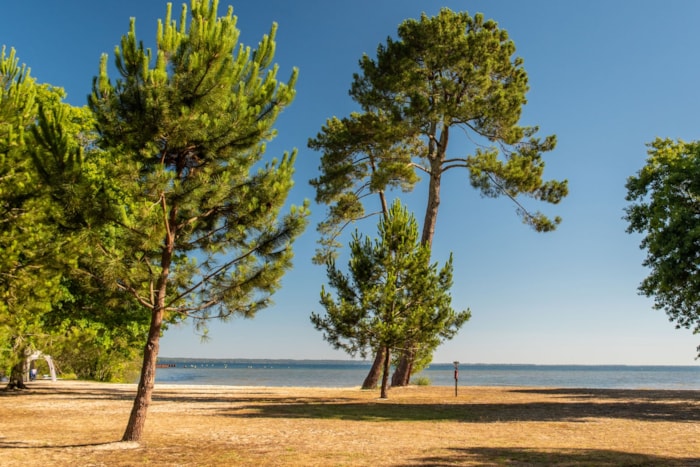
(78, 423)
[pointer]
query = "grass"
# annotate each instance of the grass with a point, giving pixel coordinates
(77, 423)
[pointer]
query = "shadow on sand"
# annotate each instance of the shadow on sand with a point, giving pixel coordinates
(481, 456)
(560, 405)
(673, 406)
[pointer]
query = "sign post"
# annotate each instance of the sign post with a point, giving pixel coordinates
(456, 376)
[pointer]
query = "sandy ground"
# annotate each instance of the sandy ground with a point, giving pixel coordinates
(80, 424)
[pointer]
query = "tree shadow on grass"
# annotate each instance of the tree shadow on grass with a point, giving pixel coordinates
(661, 409)
(98, 445)
(626, 394)
(573, 405)
(104, 393)
(481, 456)
(232, 396)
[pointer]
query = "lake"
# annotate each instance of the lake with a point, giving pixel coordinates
(342, 373)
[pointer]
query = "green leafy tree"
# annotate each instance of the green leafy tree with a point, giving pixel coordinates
(93, 350)
(51, 191)
(392, 295)
(200, 233)
(664, 206)
(91, 332)
(17, 93)
(95, 332)
(443, 73)
(30, 278)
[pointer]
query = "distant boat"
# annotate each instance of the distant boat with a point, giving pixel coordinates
(165, 365)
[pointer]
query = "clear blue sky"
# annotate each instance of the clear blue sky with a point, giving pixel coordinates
(606, 78)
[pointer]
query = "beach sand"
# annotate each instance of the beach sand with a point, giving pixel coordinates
(80, 423)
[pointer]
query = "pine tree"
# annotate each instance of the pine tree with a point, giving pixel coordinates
(392, 295)
(199, 234)
(443, 73)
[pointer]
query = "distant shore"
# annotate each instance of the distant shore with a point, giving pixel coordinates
(80, 423)
(351, 373)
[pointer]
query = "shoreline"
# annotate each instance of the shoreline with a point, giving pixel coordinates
(88, 384)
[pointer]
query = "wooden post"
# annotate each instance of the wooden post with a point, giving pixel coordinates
(456, 376)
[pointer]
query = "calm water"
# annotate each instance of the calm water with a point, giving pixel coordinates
(350, 373)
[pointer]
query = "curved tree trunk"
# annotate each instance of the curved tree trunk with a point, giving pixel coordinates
(137, 419)
(402, 374)
(437, 156)
(373, 376)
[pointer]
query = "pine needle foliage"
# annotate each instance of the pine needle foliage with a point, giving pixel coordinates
(392, 297)
(201, 232)
(440, 78)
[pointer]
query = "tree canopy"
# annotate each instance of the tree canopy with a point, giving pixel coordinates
(451, 71)
(30, 272)
(49, 186)
(664, 207)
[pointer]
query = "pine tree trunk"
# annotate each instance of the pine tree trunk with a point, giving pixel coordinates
(431, 209)
(409, 373)
(373, 376)
(17, 377)
(137, 419)
(17, 371)
(385, 373)
(402, 374)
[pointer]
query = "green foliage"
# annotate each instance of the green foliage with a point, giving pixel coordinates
(17, 105)
(168, 206)
(95, 334)
(447, 72)
(392, 295)
(664, 206)
(190, 130)
(443, 73)
(30, 271)
(197, 229)
(363, 154)
(48, 189)
(93, 350)
(422, 381)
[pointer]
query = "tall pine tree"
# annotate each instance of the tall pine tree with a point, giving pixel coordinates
(443, 73)
(199, 233)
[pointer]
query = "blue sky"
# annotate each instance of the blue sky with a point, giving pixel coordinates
(605, 77)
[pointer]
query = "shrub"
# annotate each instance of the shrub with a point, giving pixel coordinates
(422, 381)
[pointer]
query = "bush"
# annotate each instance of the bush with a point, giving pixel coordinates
(422, 381)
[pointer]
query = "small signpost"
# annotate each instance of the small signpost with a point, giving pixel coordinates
(456, 376)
